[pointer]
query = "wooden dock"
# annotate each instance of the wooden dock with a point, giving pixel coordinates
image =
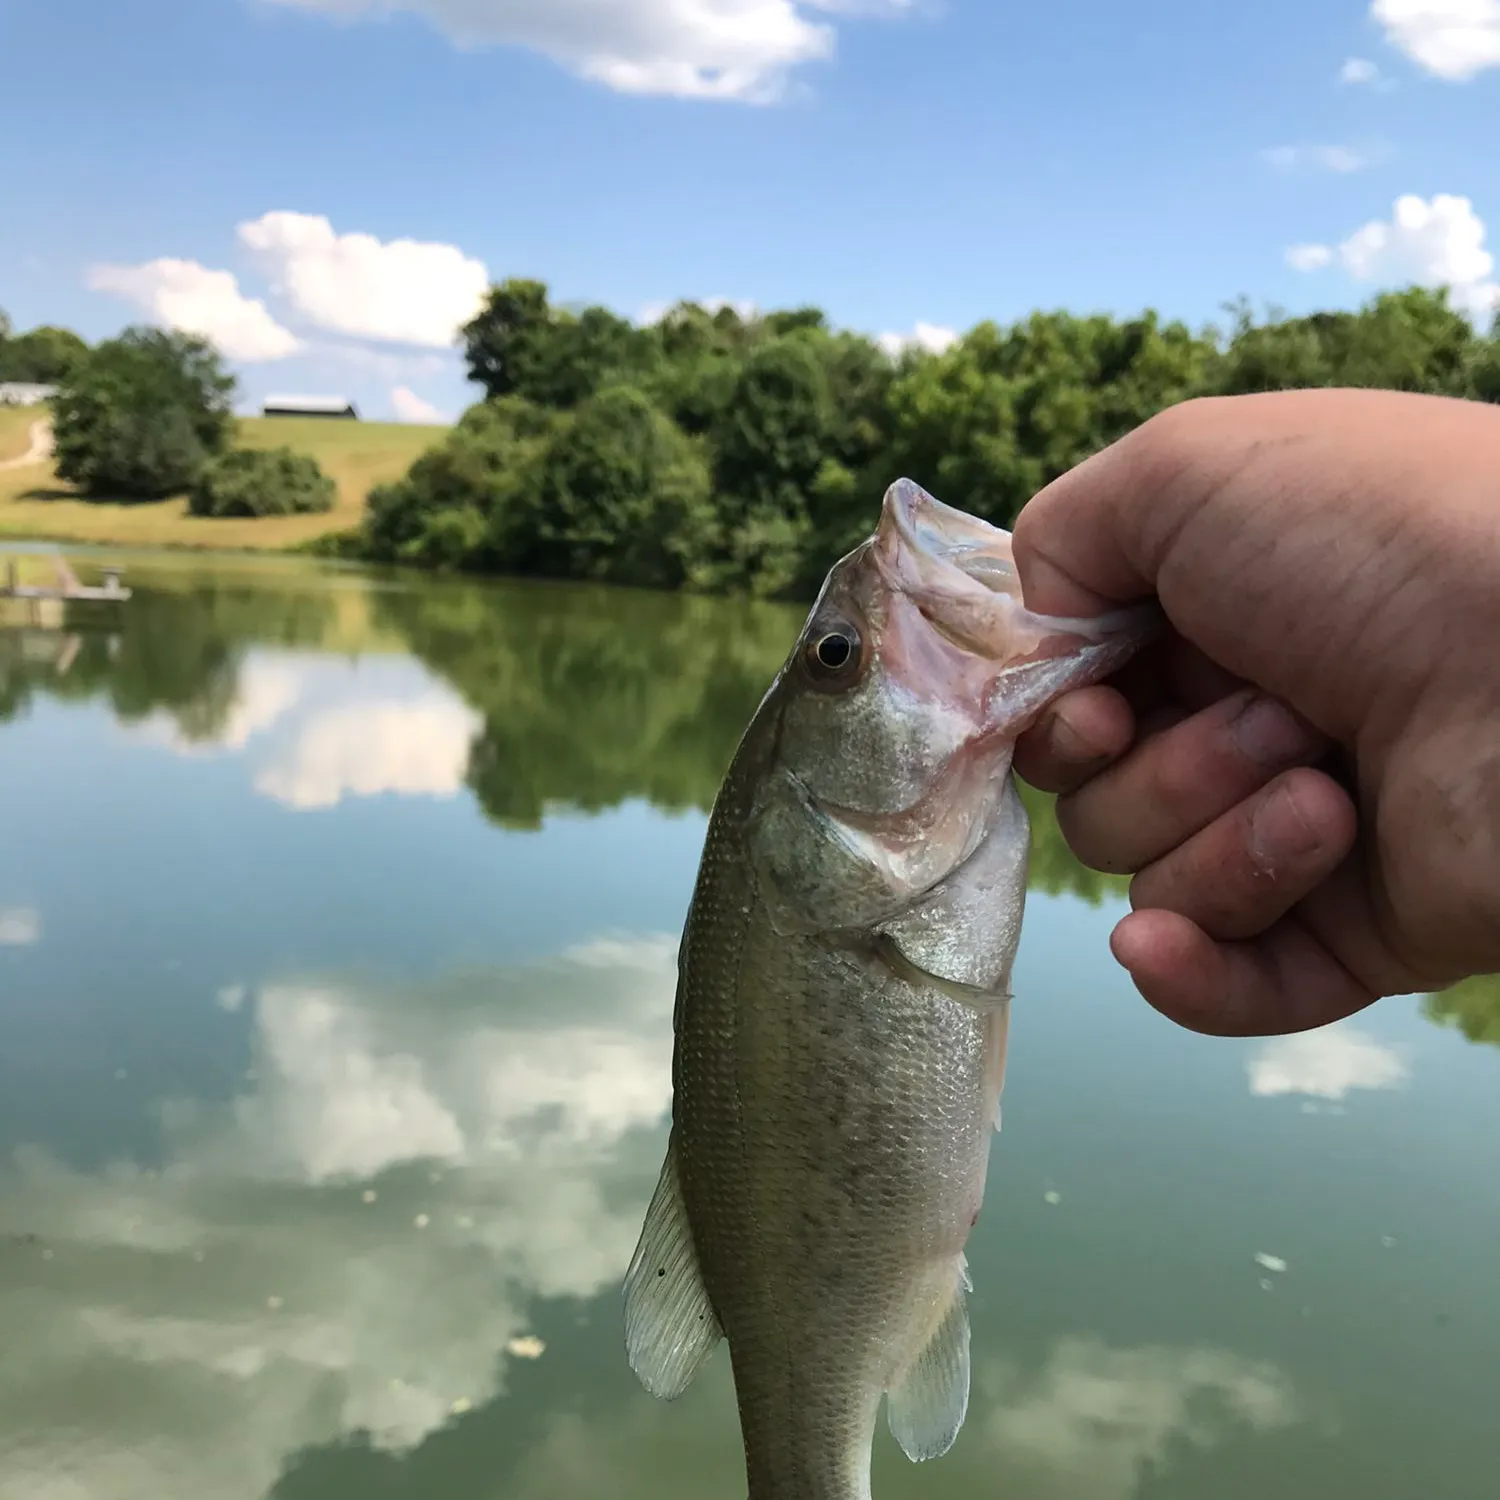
(67, 588)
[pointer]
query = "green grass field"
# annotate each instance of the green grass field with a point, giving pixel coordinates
(355, 455)
(15, 429)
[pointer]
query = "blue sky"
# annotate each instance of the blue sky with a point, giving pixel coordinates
(252, 167)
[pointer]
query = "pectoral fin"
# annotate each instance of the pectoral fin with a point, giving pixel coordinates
(926, 1406)
(670, 1327)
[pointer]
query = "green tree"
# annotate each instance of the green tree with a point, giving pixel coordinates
(1004, 411)
(519, 345)
(1472, 1008)
(802, 426)
(621, 494)
(502, 341)
(1410, 340)
(42, 356)
(142, 414)
(771, 443)
(699, 356)
(1482, 375)
(261, 482)
(455, 507)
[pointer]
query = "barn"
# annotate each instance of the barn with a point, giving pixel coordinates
(23, 393)
(309, 406)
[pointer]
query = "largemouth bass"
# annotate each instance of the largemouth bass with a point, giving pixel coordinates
(842, 1005)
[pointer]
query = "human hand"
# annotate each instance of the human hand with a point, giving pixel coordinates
(1305, 778)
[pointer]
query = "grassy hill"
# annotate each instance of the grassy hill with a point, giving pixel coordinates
(15, 429)
(355, 455)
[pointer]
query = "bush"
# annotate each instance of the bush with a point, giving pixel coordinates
(262, 482)
(453, 508)
(139, 416)
(620, 495)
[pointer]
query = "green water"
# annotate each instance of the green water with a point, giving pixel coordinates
(337, 921)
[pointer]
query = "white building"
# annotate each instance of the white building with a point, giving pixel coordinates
(19, 393)
(309, 406)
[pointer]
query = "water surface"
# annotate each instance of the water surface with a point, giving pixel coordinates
(337, 931)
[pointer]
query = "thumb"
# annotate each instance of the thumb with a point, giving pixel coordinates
(1093, 538)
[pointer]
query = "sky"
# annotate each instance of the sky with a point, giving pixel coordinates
(326, 187)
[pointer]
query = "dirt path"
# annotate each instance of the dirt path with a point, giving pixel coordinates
(40, 449)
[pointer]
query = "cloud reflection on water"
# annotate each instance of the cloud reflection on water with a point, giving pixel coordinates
(1329, 1063)
(358, 1243)
(1095, 1421)
(1089, 1421)
(252, 1297)
(20, 926)
(319, 730)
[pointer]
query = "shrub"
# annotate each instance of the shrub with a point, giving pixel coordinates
(261, 482)
(454, 507)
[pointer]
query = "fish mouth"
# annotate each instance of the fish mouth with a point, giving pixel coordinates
(960, 573)
(922, 546)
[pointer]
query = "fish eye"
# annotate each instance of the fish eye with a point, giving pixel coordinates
(834, 650)
(832, 655)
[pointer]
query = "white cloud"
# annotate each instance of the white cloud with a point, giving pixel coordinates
(929, 336)
(413, 747)
(1096, 1420)
(1328, 1063)
(20, 926)
(388, 365)
(1309, 257)
(1317, 158)
(266, 690)
(408, 406)
(403, 291)
(700, 49)
(1441, 241)
(182, 295)
(1358, 70)
(1452, 39)
(249, 1281)
(1436, 243)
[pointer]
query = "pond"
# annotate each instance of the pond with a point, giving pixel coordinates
(337, 930)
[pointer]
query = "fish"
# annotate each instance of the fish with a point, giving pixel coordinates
(843, 1002)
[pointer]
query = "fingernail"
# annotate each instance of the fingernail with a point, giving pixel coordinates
(1280, 831)
(1270, 734)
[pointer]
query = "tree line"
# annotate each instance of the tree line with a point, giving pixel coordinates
(712, 451)
(716, 452)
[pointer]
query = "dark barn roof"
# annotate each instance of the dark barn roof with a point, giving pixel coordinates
(309, 406)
